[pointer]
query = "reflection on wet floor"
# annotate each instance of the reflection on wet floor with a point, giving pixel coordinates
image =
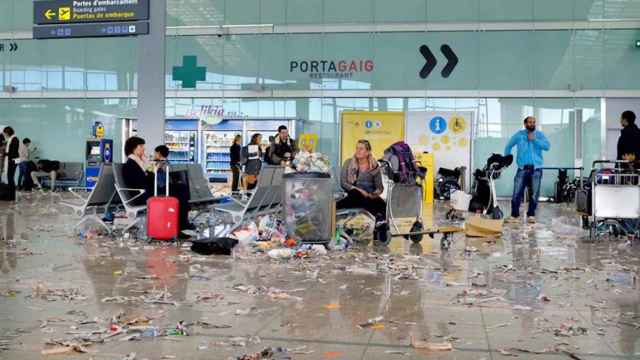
(532, 293)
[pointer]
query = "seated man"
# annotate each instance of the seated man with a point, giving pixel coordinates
(178, 180)
(46, 168)
(161, 159)
(137, 177)
(361, 178)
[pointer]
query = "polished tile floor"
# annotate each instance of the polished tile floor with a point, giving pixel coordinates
(538, 292)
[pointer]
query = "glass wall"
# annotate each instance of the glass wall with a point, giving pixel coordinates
(59, 127)
(71, 65)
(496, 120)
(499, 119)
(295, 73)
(19, 13)
(557, 60)
(280, 12)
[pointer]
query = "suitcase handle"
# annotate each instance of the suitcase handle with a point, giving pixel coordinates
(166, 179)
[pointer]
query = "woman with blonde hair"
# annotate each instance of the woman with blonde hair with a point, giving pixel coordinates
(361, 178)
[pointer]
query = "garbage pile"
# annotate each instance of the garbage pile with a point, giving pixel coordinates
(270, 237)
(306, 213)
(312, 162)
(120, 327)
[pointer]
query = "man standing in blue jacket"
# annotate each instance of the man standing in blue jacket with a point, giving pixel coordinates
(530, 143)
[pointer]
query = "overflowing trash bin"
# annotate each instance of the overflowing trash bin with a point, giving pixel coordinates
(308, 207)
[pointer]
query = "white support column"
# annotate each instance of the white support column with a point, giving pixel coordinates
(151, 77)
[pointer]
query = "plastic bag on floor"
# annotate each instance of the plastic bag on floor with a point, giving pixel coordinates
(246, 234)
(216, 246)
(565, 226)
(270, 228)
(359, 226)
(460, 200)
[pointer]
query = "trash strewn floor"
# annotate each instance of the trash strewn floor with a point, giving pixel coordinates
(536, 293)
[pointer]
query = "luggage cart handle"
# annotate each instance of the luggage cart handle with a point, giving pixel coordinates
(562, 168)
(611, 162)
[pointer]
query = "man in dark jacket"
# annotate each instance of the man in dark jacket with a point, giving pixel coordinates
(629, 141)
(11, 154)
(46, 168)
(629, 149)
(283, 149)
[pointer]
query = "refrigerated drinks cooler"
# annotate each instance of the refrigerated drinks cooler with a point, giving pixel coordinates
(217, 139)
(181, 137)
(192, 142)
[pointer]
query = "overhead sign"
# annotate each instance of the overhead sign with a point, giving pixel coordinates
(88, 11)
(61, 31)
(10, 47)
(431, 61)
(189, 73)
(446, 134)
(382, 129)
(331, 69)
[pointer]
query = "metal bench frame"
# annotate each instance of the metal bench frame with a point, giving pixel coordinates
(99, 199)
(265, 199)
(133, 212)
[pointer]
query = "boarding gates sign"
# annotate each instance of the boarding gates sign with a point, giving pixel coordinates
(50, 12)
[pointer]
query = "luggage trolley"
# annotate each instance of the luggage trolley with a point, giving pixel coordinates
(615, 196)
(404, 201)
(483, 198)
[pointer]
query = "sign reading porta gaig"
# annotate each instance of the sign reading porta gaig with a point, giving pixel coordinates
(89, 11)
(332, 69)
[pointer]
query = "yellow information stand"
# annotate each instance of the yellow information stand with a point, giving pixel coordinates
(426, 160)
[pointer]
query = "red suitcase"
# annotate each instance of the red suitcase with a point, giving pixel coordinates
(162, 213)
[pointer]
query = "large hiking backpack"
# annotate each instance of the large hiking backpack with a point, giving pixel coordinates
(402, 163)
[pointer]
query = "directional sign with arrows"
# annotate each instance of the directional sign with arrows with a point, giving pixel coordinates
(13, 47)
(49, 14)
(431, 61)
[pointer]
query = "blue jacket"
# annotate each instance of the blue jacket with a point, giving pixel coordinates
(529, 152)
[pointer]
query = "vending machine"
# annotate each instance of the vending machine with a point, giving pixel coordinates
(98, 152)
(181, 137)
(217, 140)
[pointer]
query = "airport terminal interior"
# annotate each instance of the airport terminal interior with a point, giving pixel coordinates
(319, 179)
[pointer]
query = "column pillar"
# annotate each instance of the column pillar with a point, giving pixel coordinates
(151, 77)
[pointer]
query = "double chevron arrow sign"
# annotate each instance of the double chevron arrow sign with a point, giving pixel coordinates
(431, 62)
(11, 47)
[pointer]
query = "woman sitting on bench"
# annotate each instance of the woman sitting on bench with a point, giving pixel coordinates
(137, 177)
(361, 178)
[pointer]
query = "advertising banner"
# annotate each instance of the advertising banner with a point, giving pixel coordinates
(382, 129)
(445, 134)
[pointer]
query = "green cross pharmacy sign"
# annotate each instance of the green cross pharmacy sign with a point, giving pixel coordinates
(189, 73)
